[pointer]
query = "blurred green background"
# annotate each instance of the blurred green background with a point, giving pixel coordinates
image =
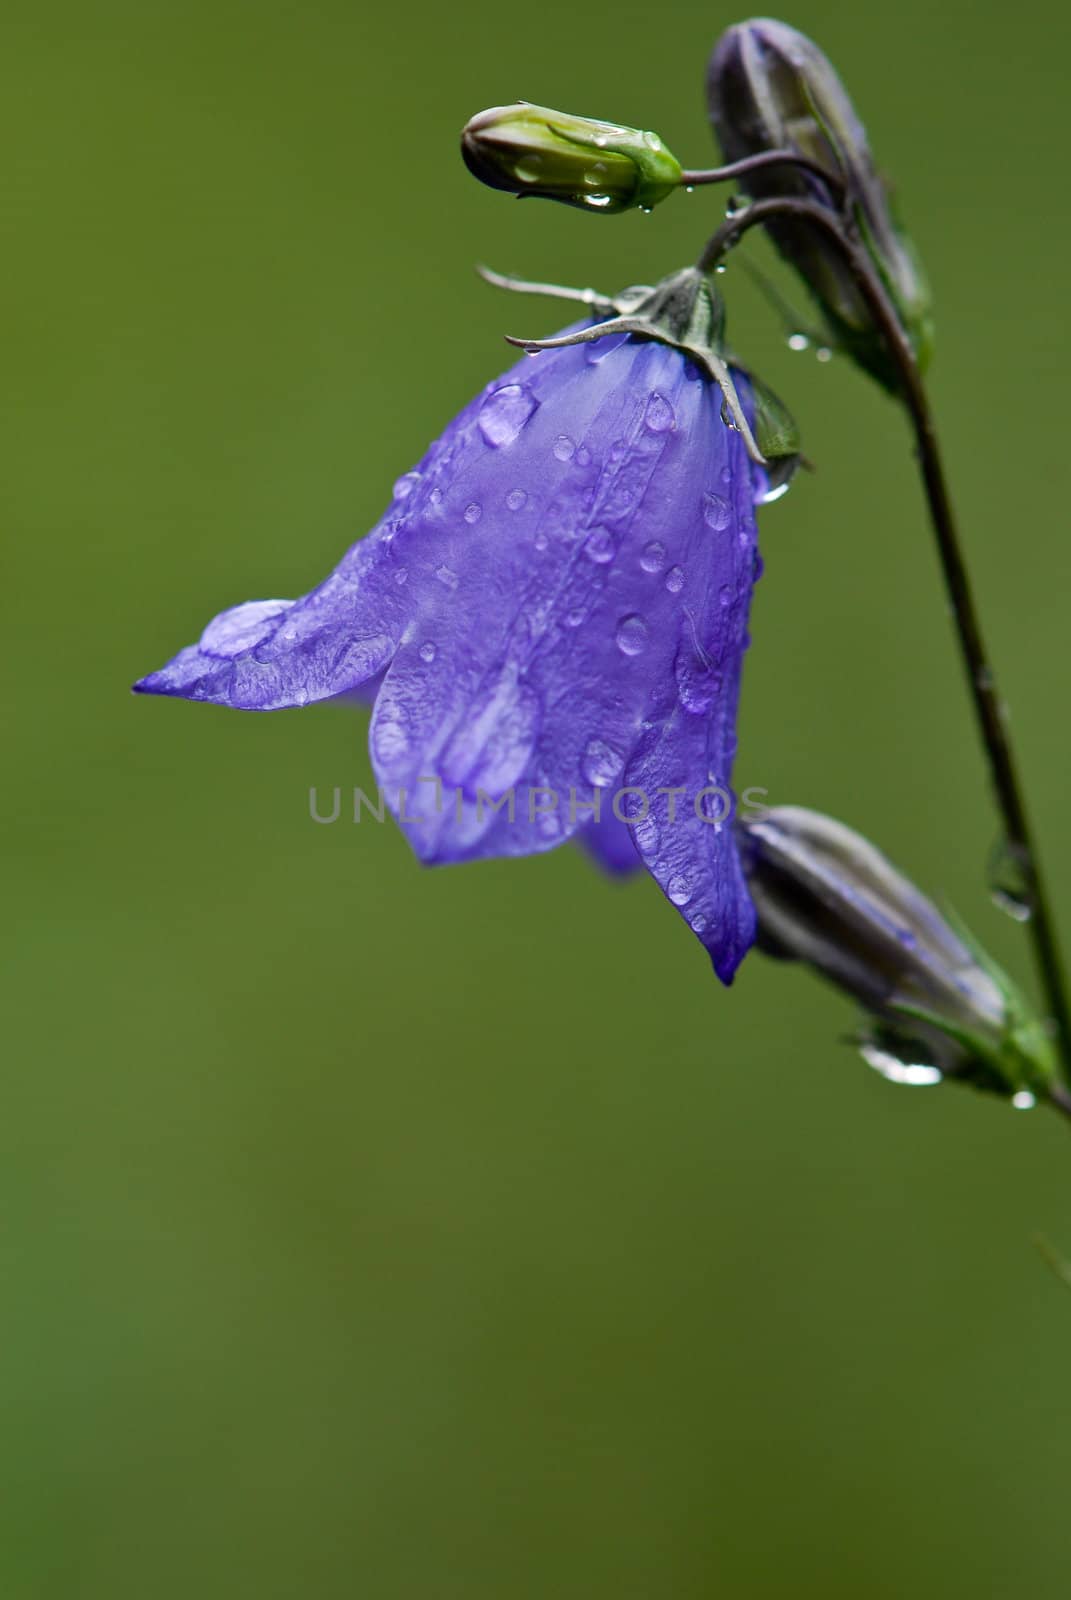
(373, 1231)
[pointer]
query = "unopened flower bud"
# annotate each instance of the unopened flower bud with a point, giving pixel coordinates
(770, 88)
(599, 166)
(936, 1005)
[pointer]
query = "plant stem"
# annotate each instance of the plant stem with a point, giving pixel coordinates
(981, 679)
(695, 177)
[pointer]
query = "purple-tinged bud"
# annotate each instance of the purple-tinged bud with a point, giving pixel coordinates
(770, 88)
(599, 166)
(936, 1005)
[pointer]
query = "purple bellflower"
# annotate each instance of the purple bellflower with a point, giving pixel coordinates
(551, 615)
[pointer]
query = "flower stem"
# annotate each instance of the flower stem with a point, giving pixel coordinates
(695, 177)
(981, 679)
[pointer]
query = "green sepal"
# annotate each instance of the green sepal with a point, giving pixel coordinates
(776, 434)
(1021, 1055)
(686, 312)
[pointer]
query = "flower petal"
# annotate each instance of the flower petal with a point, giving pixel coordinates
(564, 598)
(610, 844)
(690, 849)
(266, 655)
(553, 606)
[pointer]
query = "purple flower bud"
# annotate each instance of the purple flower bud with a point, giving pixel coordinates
(771, 88)
(937, 1004)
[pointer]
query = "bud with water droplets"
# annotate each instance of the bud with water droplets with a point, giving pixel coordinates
(599, 166)
(936, 1005)
(770, 88)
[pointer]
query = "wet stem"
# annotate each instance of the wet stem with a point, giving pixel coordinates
(981, 679)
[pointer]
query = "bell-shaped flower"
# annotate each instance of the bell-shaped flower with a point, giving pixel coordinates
(552, 614)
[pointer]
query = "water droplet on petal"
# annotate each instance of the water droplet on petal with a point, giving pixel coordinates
(574, 618)
(504, 413)
(631, 635)
(405, 485)
(583, 457)
(563, 447)
(529, 168)
(1009, 881)
(697, 682)
(798, 341)
(645, 830)
(1024, 1100)
(401, 576)
(446, 575)
(675, 580)
(699, 923)
(599, 545)
(717, 512)
(427, 652)
(541, 541)
(473, 512)
(660, 414)
(435, 498)
(598, 201)
(653, 557)
(600, 764)
(679, 889)
(516, 499)
(725, 596)
(594, 175)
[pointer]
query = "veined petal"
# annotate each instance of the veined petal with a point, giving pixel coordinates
(571, 597)
(553, 607)
(266, 655)
(689, 849)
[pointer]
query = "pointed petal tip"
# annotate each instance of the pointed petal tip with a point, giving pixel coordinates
(725, 967)
(151, 684)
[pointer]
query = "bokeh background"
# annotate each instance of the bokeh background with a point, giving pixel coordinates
(373, 1231)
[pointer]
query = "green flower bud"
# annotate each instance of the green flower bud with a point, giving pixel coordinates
(599, 166)
(936, 1005)
(771, 88)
